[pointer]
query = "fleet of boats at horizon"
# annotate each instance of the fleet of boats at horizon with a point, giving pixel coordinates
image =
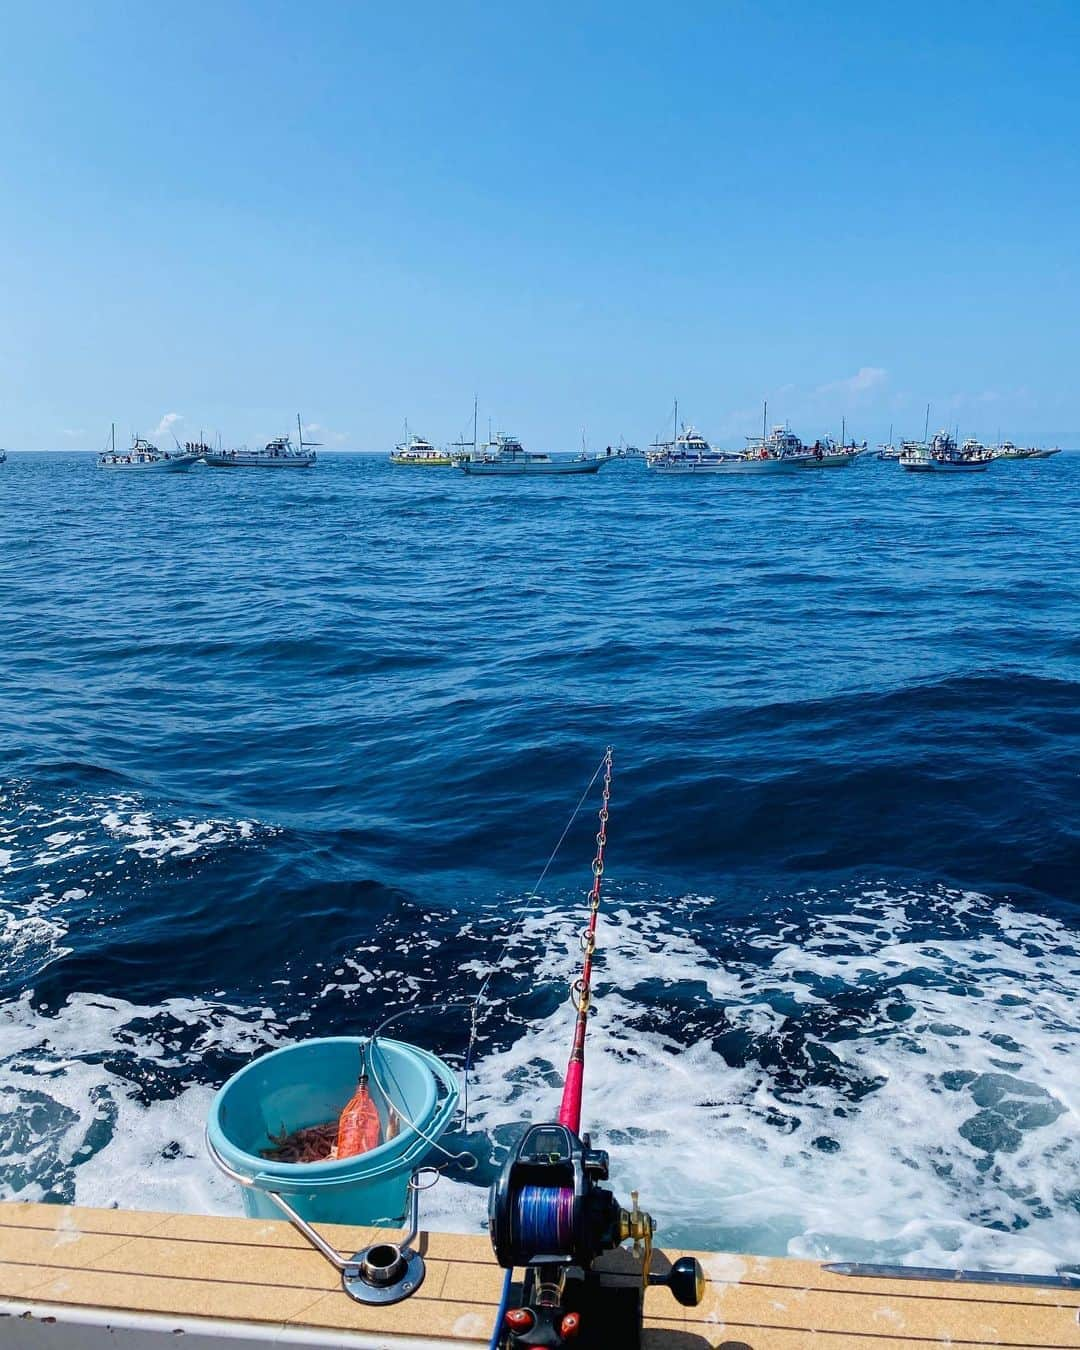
(688, 453)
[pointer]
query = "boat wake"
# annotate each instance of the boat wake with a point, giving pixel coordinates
(876, 1072)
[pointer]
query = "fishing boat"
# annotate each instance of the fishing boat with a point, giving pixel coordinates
(420, 453)
(505, 456)
(943, 455)
(690, 453)
(1007, 450)
(888, 450)
(143, 457)
(3, 456)
(915, 456)
(948, 457)
(280, 453)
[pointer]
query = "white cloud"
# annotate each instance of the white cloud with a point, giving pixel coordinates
(167, 423)
(865, 380)
(315, 431)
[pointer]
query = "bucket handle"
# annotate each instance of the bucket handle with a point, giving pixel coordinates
(302, 1226)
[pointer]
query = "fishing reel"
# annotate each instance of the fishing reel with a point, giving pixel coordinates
(548, 1213)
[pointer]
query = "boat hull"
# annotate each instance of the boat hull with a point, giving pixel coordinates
(176, 465)
(260, 461)
(551, 469)
(825, 462)
(939, 466)
(692, 468)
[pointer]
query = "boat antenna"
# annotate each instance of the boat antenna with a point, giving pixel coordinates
(300, 434)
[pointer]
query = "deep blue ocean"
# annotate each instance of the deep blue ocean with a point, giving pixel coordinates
(281, 753)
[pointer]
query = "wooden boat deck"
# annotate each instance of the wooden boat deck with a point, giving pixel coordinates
(61, 1265)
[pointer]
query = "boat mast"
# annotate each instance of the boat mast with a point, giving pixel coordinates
(675, 438)
(764, 419)
(843, 431)
(112, 437)
(926, 424)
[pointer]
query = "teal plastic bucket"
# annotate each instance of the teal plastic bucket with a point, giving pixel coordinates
(308, 1084)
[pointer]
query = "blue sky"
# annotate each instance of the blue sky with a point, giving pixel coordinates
(231, 212)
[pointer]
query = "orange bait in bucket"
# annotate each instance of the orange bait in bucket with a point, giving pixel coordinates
(358, 1124)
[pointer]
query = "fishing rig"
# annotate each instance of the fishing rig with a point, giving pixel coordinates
(549, 1214)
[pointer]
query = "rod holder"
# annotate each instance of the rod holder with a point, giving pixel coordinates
(385, 1272)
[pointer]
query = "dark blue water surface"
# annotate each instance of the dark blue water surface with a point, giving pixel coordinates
(280, 753)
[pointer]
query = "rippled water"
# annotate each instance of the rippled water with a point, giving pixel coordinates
(281, 753)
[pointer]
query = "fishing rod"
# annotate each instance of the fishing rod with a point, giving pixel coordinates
(548, 1213)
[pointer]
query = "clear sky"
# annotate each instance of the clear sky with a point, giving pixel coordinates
(229, 212)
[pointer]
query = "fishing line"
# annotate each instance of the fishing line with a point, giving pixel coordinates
(473, 1004)
(534, 894)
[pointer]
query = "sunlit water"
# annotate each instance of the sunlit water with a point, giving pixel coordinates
(283, 753)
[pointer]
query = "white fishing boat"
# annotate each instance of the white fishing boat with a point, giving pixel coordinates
(1007, 450)
(690, 453)
(143, 457)
(784, 449)
(948, 457)
(915, 457)
(280, 453)
(943, 455)
(505, 456)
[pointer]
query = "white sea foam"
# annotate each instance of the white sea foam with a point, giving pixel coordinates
(945, 1134)
(884, 1088)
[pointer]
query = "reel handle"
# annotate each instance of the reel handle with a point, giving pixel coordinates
(685, 1279)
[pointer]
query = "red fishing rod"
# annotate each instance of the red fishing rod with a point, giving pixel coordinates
(581, 990)
(548, 1213)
